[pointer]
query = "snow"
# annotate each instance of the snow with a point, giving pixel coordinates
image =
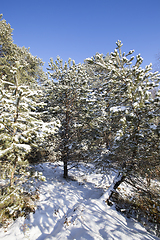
(136, 105)
(25, 147)
(117, 109)
(153, 126)
(74, 209)
(3, 152)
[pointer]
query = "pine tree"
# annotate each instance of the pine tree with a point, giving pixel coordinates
(131, 112)
(69, 99)
(19, 125)
(20, 130)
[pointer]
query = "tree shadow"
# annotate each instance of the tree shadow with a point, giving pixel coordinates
(71, 209)
(60, 199)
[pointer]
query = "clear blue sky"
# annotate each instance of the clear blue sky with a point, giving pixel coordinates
(79, 29)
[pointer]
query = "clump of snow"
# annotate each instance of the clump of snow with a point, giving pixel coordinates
(74, 209)
(117, 109)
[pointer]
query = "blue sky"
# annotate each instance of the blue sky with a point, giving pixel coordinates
(79, 29)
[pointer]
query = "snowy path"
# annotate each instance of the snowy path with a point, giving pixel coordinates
(74, 209)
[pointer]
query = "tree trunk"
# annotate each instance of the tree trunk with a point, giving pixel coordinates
(66, 142)
(117, 181)
(65, 175)
(12, 173)
(116, 184)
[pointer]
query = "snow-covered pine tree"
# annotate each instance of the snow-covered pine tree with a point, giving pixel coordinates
(20, 129)
(69, 99)
(131, 112)
(99, 70)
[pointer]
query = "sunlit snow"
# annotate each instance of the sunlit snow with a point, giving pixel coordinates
(74, 209)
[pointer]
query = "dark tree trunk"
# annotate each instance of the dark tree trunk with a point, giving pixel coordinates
(117, 182)
(66, 150)
(65, 175)
(121, 176)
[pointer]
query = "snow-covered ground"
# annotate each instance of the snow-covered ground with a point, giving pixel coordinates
(74, 209)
